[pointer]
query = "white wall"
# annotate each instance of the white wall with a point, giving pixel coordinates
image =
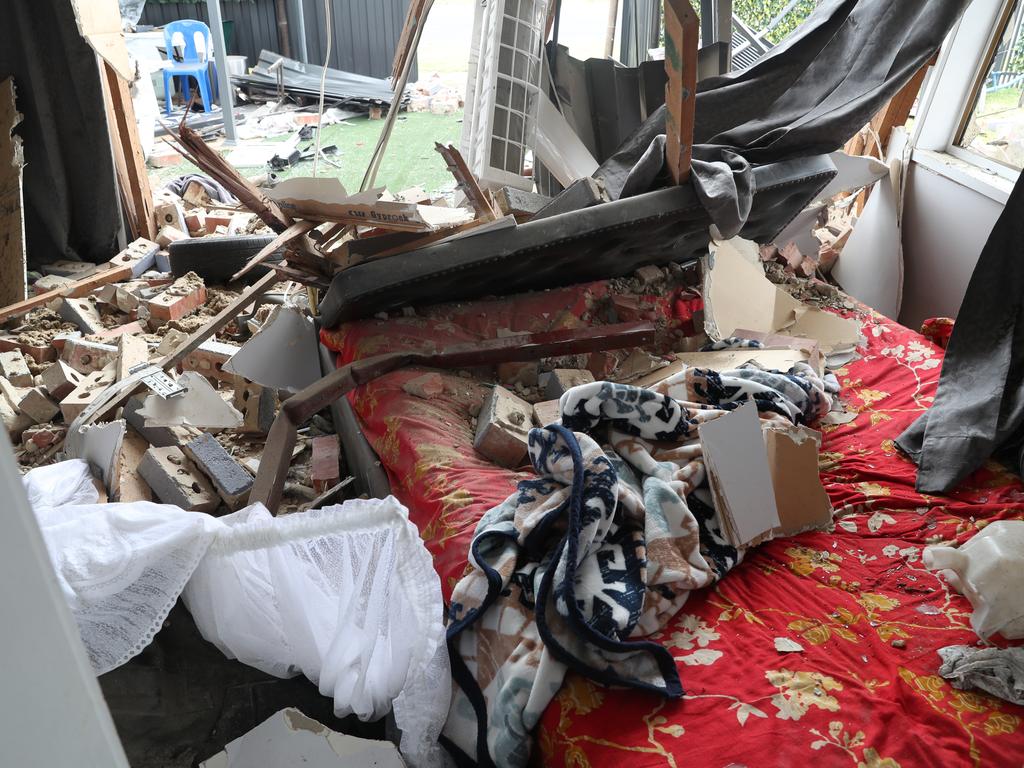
(52, 713)
(945, 225)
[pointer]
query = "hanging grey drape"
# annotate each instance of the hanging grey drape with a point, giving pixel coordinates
(808, 96)
(979, 406)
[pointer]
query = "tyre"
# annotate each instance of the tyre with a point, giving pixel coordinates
(216, 259)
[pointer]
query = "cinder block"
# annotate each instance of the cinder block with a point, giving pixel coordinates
(160, 437)
(14, 368)
(257, 404)
(175, 480)
(546, 413)
(564, 379)
(60, 379)
(502, 428)
(326, 469)
(83, 313)
(38, 406)
(209, 358)
(79, 398)
(140, 255)
(232, 482)
(88, 356)
(184, 295)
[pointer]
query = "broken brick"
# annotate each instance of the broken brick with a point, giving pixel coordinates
(326, 464)
(87, 391)
(257, 405)
(175, 480)
(209, 358)
(232, 482)
(42, 436)
(60, 379)
(169, 234)
(502, 428)
(83, 313)
(184, 295)
(14, 368)
(88, 356)
(546, 413)
(38, 406)
(563, 379)
(428, 386)
(131, 351)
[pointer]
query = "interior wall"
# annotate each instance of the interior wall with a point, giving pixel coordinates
(945, 226)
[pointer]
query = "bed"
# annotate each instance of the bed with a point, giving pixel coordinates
(864, 691)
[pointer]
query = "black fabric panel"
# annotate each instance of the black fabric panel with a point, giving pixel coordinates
(71, 208)
(979, 406)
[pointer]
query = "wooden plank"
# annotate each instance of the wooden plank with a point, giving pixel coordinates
(76, 290)
(13, 287)
(132, 176)
(681, 40)
(466, 181)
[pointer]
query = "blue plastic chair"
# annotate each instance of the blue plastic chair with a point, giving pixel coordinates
(195, 38)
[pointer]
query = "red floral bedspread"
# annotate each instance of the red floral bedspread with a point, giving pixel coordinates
(864, 692)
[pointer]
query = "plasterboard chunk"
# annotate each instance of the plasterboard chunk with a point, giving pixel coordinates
(283, 355)
(100, 445)
(200, 406)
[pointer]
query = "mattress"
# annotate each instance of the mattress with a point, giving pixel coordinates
(863, 690)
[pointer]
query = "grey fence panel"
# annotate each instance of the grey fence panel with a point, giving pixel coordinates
(365, 31)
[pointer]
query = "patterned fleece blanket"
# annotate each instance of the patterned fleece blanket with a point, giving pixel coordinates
(599, 551)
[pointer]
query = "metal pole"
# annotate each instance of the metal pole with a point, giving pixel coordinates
(299, 17)
(220, 55)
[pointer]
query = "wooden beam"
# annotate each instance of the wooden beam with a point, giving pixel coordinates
(467, 182)
(132, 176)
(13, 287)
(682, 32)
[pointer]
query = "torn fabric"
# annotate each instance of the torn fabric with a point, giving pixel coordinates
(979, 404)
(998, 671)
(809, 94)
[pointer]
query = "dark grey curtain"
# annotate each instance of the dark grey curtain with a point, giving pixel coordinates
(71, 208)
(806, 97)
(979, 406)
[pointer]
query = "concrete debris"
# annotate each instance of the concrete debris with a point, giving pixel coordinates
(502, 428)
(231, 481)
(175, 480)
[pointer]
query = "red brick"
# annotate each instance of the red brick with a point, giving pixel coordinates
(326, 459)
(181, 298)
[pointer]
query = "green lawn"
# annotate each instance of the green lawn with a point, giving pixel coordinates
(410, 159)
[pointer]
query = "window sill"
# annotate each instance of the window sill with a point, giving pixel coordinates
(966, 174)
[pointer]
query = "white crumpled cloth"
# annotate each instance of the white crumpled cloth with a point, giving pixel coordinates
(346, 595)
(998, 671)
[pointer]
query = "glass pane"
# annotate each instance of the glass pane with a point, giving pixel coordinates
(995, 127)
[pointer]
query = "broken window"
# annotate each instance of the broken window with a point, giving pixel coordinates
(994, 127)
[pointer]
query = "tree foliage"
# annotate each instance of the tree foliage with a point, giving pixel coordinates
(758, 14)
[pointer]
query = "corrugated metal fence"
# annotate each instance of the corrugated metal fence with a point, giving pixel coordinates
(365, 31)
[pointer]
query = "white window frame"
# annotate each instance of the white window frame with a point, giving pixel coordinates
(949, 94)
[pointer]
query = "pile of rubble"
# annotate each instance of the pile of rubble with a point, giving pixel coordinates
(191, 427)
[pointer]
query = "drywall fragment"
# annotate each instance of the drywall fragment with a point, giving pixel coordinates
(200, 407)
(562, 380)
(131, 351)
(100, 445)
(738, 295)
(175, 480)
(739, 474)
(83, 313)
(160, 437)
(785, 645)
(326, 465)
(231, 481)
(257, 404)
(800, 498)
(38, 406)
(283, 355)
(502, 428)
(289, 739)
(14, 368)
